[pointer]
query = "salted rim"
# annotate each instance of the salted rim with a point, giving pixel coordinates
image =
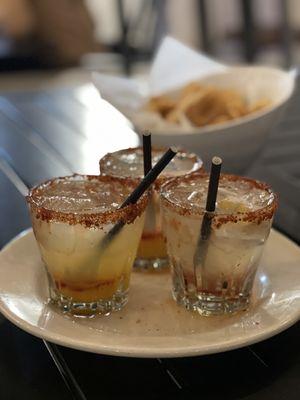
(127, 214)
(197, 165)
(257, 216)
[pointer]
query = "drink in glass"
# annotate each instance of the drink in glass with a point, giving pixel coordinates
(70, 218)
(215, 276)
(152, 252)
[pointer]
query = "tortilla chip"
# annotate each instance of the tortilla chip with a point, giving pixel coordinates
(202, 105)
(161, 104)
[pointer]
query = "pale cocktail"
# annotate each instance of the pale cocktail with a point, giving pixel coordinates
(219, 278)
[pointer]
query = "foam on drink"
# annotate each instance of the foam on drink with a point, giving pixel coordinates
(233, 196)
(129, 163)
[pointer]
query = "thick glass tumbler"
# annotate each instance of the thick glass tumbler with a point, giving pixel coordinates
(152, 252)
(70, 218)
(215, 275)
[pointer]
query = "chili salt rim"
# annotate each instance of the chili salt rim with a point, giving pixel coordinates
(197, 165)
(257, 216)
(127, 214)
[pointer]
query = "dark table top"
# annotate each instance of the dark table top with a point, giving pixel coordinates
(50, 133)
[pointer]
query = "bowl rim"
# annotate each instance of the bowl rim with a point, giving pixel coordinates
(241, 120)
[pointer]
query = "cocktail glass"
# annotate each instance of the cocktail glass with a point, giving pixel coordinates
(152, 252)
(70, 218)
(217, 277)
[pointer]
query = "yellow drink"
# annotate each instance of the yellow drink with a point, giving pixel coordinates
(152, 252)
(70, 218)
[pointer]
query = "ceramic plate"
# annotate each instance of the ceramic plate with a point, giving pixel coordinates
(151, 325)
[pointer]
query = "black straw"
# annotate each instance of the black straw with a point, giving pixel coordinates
(212, 192)
(147, 152)
(150, 177)
(139, 191)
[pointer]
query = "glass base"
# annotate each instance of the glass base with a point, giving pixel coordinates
(151, 264)
(207, 305)
(81, 308)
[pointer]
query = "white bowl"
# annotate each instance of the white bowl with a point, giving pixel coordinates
(240, 140)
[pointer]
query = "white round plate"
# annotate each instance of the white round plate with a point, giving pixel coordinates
(151, 325)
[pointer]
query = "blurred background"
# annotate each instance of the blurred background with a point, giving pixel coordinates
(58, 42)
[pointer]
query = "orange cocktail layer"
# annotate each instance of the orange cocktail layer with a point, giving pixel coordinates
(77, 266)
(92, 291)
(152, 245)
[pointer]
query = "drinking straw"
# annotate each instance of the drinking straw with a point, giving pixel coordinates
(212, 191)
(145, 183)
(147, 152)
